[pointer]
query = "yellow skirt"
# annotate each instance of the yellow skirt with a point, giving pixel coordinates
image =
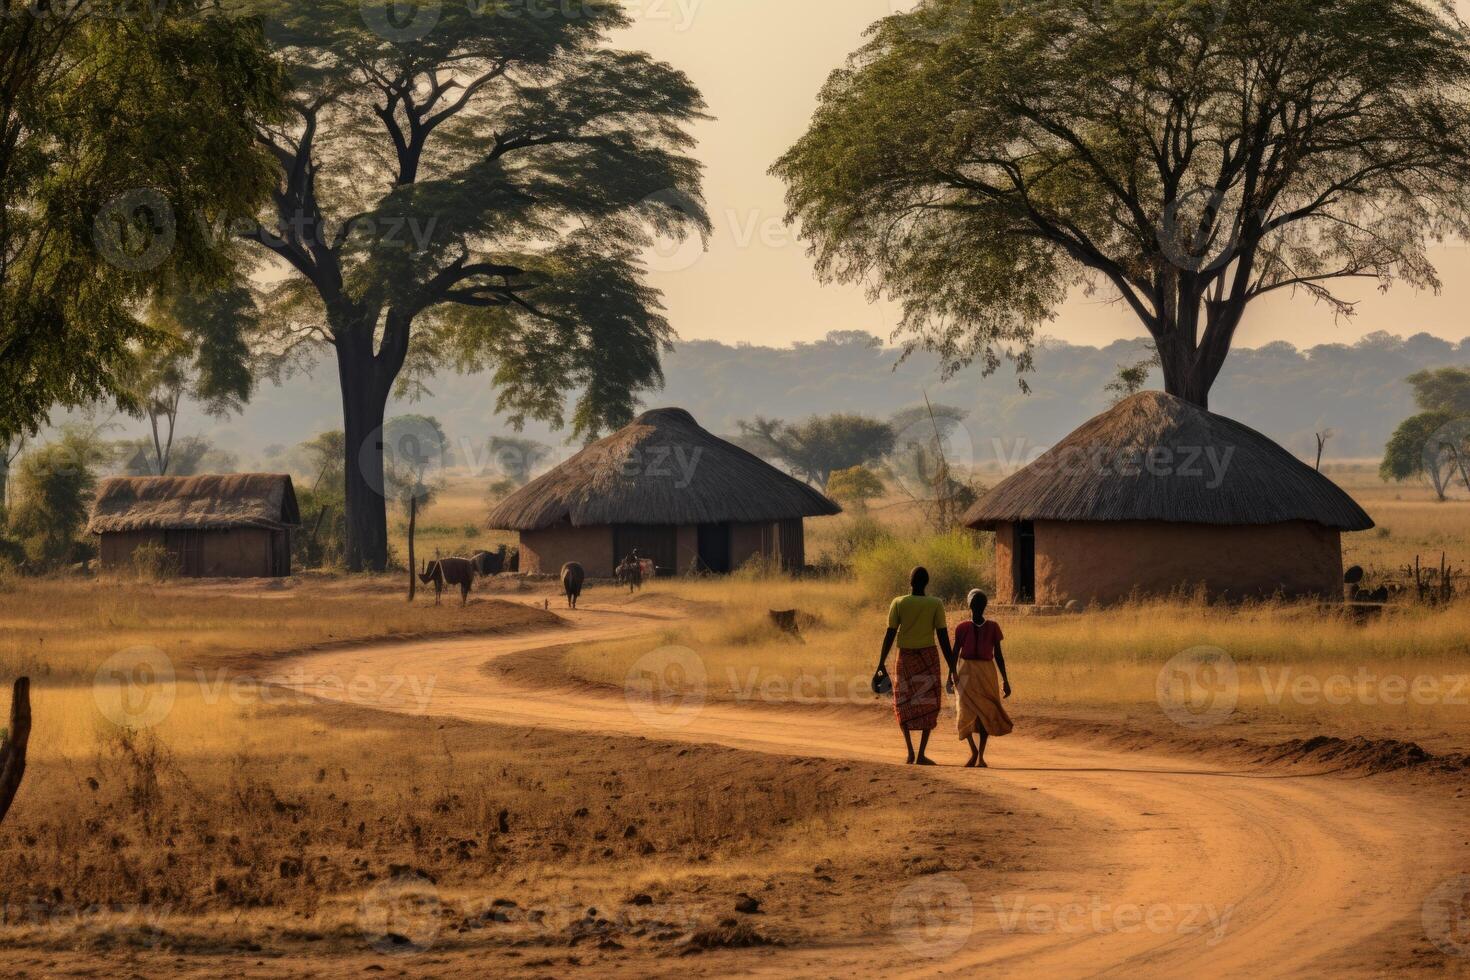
(977, 689)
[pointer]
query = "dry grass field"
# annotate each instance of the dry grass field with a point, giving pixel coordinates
(181, 813)
(1300, 669)
(193, 816)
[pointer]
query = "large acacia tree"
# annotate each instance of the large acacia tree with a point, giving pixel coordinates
(978, 159)
(473, 186)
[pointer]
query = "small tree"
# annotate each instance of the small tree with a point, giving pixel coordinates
(1131, 378)
(323, 525)
(516, 459)
(1435, 444)
(9, 450)
(1432, 445)
(856, 485)
(415, 451)
(822, 444)
(187, 456)
(54, 486)
(203, 353)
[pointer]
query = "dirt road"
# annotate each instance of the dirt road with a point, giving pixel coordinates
(1207, 872)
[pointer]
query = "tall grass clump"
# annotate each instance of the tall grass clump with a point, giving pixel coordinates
(152, 562)
(958, 561)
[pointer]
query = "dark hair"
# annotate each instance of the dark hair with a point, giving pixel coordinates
(978, 602)
(919, 578)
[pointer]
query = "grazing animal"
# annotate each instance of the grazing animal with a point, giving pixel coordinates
(489, 562)
(572, 577)
(450, 571)
(633, 571)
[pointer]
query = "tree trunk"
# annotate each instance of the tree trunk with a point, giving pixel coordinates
(413, 513)
(1184, 376)
(364, 401)
(13, 752)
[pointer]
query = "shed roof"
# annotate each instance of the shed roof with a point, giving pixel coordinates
(214, 503)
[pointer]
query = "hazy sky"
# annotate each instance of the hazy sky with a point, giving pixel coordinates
(760, 64)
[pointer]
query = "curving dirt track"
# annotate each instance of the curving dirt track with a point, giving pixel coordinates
(1242, 873)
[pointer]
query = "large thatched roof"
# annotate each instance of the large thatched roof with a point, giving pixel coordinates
(661, 469)
(1155, 457)
(194, 503)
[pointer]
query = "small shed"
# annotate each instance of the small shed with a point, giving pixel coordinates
(1157, 495)
(234, 526)
(685, 498)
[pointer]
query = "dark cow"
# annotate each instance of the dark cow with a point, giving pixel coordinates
(572, 577)
(489, 563)
(450, 571)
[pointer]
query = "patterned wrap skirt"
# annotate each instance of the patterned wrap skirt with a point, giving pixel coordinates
(917, 692)
(978, 698)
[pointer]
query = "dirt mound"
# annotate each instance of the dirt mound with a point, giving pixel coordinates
(1360, 754)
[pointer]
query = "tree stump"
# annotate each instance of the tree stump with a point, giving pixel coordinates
(13, 750)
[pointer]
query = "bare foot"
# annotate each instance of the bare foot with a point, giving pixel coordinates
(909, 761)
(924, 760)
(971, 763)
(982, 764)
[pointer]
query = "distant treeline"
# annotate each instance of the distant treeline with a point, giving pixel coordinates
(1357, 390)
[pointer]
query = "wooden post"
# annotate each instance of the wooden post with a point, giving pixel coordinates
(13, 751)
(413, 513)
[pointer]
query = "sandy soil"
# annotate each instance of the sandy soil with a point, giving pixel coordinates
(1211, 869)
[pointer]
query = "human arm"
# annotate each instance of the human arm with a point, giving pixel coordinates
(888, 639)
(949, 657)
(1000, 664)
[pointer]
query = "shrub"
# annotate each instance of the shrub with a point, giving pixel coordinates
(759, 568)
(53, 488)
(958, 561)
(858, 535)
(152, 562)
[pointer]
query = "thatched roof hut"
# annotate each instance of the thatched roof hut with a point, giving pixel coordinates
(1157, 494)
(236, 525)
(669, 488)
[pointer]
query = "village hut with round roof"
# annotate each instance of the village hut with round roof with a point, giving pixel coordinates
(1158, 495)
(233, 526)
(663, 486)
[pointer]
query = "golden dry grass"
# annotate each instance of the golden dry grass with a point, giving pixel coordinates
(454, 524)
(60, 630)
(245, 819)
(1108, 661)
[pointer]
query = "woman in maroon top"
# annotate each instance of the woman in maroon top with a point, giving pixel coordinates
(980, 690)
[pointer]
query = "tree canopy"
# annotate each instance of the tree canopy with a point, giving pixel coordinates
(975, 160)
(820, 445)
(123, 139)
(1442, 390)
(475, 191)
(1431, 446)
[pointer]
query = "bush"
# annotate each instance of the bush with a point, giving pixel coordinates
(957, 561)
(53, 489)
(858, 535)
(152, 562)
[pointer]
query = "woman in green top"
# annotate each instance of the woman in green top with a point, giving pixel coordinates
(914, 621)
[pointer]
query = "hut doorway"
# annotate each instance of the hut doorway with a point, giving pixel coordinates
(714, 548)
(658, 542)
(1023, 564)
